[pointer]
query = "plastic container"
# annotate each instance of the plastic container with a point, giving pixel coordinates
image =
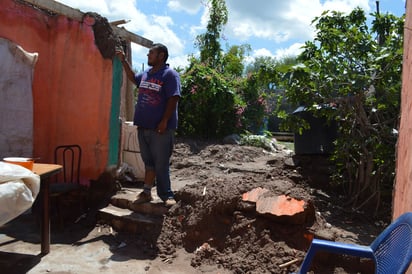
(319, 138)
(21, 161)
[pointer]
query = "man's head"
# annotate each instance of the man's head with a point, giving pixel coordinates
(158, 54)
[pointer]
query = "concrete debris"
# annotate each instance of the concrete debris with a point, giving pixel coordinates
(281, 208)
(254, 194)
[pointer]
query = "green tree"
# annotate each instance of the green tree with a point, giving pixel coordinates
(217, 99)
(270, 62)
(263, 92)
(209, 106)
(348, 68)
(209, 42)
(257, 90)
(232, 61)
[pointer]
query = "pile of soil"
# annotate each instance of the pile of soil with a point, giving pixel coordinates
(211, 222)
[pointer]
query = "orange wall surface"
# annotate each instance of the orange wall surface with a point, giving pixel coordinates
(402, 193)
(72, 83)
(402, 201)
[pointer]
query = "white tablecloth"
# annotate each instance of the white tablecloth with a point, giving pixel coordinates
(19, 188)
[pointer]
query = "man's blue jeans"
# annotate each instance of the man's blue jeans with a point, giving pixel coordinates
(156, 150)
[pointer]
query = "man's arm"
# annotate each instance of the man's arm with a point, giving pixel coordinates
(170, 109)
(129, 72)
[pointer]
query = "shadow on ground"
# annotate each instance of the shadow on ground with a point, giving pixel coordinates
(82, 247)
(17, 263)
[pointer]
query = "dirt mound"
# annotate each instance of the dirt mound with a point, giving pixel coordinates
(212, 222)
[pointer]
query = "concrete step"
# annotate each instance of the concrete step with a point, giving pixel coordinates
(126, 220)
(125, 215)
(125, 199)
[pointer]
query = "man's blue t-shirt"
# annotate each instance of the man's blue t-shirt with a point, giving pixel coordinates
(154, 91)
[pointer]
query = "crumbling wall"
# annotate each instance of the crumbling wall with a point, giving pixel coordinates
(72, 81)
(105, 38)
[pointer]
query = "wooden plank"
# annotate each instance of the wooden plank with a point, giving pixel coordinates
(129, 36)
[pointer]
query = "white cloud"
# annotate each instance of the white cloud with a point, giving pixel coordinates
(113, 10)
(294, 50)
(262, 52)
(178, 61)
(155, 27)
(258, 18)
(189, 6)
(280, 21)
(99, 6)
(346, 6)
(268, 26)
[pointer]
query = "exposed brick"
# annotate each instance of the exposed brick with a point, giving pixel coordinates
(283, 208)
(254, 194)
(279, 205)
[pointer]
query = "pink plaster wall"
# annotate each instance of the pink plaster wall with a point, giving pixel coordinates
(72, 83)
(402, 201)
(402, 194)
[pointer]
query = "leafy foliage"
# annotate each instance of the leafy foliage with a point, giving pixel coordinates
(257, 92)
(208, 104)
(357, 70)
(209, 42)
(216, 99)
(264, 79)
(263, 141)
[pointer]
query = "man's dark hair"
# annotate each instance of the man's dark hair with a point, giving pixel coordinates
(161, 48)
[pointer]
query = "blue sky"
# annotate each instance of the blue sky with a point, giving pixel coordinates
(275, 28)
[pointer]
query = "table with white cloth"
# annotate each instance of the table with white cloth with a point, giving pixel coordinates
(19, 188)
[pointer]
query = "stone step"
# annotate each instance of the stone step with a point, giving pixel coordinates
(125, 215)
(126, 220)
(125, 199)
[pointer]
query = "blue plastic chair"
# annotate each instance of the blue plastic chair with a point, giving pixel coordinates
(391, 250)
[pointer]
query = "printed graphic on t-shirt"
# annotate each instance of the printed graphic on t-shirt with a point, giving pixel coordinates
(150, 92)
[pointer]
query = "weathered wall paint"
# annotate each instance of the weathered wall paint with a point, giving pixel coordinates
(402, 193)
(115, 122)
(16, 100)
(72, 84)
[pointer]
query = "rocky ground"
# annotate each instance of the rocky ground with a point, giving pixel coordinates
(210, 229)
(211, 222)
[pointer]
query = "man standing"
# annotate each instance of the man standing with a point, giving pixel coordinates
(156, 117)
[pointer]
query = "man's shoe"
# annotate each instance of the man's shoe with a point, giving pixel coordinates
(170, 202)
(143, 197)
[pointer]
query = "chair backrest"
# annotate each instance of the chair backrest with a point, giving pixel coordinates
(69, 156)
(393, 247)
